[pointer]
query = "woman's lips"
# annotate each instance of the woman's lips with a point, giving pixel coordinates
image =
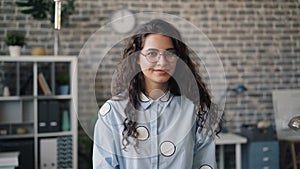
(160, 71)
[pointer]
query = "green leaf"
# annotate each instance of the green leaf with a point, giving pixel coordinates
(44, 9)
(27, 11)
(15, 38)
(23, 4)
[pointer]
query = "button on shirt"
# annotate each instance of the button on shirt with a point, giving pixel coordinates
(168, 136)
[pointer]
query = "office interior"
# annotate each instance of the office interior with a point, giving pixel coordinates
(256, 49)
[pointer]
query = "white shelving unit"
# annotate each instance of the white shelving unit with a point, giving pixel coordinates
(20, 112)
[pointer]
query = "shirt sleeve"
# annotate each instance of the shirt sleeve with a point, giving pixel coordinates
(104, 146)
(204, 151)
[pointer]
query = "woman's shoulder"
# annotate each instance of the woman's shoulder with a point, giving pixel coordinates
(113, 110)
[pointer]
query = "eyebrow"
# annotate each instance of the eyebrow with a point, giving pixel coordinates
(163, 49)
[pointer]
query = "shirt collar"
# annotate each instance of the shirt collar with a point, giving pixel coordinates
(146, 101)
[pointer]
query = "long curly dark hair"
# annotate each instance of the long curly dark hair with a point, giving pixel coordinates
(129, 79)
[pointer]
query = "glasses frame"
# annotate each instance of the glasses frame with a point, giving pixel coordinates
(159, 55)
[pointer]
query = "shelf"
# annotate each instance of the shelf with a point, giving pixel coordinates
(18, 136)
(11, 129)
(55, 97)
(19, 98)
(29, 114)
(61, 133)
(19, 123)
(15, 98)
(38, 58)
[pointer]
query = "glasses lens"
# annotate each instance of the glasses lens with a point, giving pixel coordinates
(171, 56)
(152, 55)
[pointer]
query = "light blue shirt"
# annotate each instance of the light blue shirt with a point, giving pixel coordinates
(168, 136)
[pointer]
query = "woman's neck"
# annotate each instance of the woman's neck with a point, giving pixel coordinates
(156, 91)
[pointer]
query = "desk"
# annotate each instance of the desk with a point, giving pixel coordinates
(229, 139)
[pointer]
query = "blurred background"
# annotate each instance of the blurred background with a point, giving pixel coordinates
(258, 42)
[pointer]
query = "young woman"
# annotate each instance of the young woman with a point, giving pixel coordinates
(161, 114)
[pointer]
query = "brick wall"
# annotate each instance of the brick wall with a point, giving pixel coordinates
(257, 40)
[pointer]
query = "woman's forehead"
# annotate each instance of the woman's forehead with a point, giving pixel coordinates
(158, 41)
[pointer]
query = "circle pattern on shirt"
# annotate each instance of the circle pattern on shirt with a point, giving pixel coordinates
(143, 133)
(167, 148)
(105, 109)
(205, 167)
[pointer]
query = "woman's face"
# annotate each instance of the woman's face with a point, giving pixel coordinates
(157, 73)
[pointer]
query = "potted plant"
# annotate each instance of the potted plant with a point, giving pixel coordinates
(44, 9)
(63, 82)
(15, 41)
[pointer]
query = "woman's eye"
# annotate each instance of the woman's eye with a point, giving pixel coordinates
(152, 54)
(170, 54)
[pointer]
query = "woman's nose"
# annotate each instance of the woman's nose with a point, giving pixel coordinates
(162, 59)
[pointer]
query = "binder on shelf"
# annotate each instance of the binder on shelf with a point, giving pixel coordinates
(48, 153)
(49, 119)
(44, 85)
(43, 117)
(54, 116)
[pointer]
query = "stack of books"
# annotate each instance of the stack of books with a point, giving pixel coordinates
(9, 160)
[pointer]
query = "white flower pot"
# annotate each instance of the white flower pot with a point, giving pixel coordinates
(14, 51)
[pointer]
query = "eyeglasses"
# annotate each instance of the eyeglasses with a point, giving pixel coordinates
(153, 55)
